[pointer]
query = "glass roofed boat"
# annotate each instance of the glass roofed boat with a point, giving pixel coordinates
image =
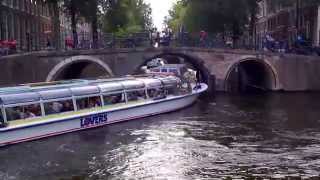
(34, 111)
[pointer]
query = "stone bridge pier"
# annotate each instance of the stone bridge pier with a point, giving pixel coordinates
(223, 70)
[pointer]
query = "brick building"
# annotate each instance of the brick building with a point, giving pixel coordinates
(26, 21)
(29, 22)
(284, 21)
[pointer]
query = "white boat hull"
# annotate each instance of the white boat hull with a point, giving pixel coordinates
(94, 119)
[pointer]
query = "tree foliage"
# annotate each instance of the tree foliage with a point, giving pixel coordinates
(213, 15)
(56, 22)
(117, 16)
(75, 9)
(126, 16)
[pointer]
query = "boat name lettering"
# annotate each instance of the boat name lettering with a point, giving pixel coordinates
(93, 120)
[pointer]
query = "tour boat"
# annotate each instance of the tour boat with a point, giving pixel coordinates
(35, 111)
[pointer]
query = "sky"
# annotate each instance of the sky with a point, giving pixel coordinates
(160, 9)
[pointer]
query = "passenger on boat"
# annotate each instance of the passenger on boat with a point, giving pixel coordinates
(91, 104)
(2, 123)
(13, 114)
(35, 109)
(132, 96)
(28, 114)
(48, 109)
(1, 120)
(117, 99)
(67, 106)
(141, 95)
(152, 93)
(32, 111)
(107, 100)
(81, 104)
(94, 102)
(57, 107)
(97, 102)
(160, 94)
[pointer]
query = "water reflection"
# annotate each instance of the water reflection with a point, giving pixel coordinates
(267, 136)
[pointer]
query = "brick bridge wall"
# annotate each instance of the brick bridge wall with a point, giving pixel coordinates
(289, 72)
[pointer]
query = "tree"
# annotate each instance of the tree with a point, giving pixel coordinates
(74, 9)
(93, 16)
(253, 9)
(55, 22)
(214, 16)
(126, 16)
(176, 16)
(91, 12)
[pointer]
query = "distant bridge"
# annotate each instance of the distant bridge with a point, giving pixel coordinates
(224, 70)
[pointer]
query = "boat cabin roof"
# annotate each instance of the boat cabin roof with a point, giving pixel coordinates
(177, 69)
(28, 94)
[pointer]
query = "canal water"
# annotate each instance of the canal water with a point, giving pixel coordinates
(229, 136)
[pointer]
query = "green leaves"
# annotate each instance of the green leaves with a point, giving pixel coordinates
(212, 15)
(126, 16)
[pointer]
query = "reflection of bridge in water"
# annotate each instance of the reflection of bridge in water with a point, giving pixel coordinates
(226, 70)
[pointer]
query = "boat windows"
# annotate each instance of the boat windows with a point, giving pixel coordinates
(155, 70)
(172, 90)
(88, 102)
(164, 70)
(152, 93)
(156, 93)
(23, 112)
(174, 71)
(113, 99)
(136, 95)
(58, 107)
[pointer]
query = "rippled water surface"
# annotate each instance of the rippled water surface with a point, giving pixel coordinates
(267, 136)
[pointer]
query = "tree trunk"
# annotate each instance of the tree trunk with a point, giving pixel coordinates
(252, 30)
(74, 27)
(94, 22)
(94, 25)
(235, 34)
(56, 26)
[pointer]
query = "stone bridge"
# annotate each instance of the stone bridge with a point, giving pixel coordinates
(223, 70)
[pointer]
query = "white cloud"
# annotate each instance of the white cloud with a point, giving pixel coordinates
(160, 9)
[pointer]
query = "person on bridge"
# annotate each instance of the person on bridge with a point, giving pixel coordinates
(203, 38)
(157, 40)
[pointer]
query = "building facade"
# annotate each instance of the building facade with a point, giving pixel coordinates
(27, 22)
(284, 22)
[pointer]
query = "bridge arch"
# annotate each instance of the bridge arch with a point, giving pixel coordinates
(176, 57)
(74, 67)
(251, 74)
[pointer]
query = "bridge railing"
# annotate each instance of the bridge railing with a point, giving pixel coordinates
(140, 39)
